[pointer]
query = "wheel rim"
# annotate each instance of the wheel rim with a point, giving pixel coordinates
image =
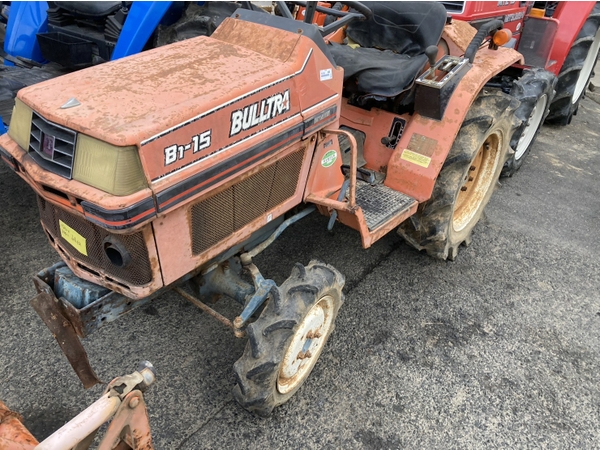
(306, 346)
(587, 68)
(477, 182)
(531, 127)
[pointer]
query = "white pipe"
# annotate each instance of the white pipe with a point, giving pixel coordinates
(82, 425)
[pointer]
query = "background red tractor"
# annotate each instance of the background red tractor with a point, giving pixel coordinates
(559, 42)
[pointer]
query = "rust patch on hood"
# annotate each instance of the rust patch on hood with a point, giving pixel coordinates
(125, 101)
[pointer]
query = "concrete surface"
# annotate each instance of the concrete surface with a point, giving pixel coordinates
(499, 349)
(594, 87)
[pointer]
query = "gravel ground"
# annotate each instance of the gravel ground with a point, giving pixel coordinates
(499, 349)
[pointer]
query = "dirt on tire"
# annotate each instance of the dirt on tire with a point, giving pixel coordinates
(433, 227)
(258, 369)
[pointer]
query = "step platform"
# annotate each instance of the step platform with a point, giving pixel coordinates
(380, 203)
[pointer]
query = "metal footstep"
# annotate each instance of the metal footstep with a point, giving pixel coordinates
(380, 203)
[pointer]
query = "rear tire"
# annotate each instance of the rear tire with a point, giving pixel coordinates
(467, 179)
(535, 90)
(576, 71)
(287, 339)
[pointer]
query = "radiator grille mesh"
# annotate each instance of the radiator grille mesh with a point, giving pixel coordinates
(138, 272)
(216, 217)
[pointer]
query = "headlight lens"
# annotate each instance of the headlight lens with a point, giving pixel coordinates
(116, 170)
(20, 124)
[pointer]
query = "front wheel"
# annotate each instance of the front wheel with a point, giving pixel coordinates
(467, 179)
(287, 339)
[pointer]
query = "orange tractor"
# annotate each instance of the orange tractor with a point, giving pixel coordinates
(173, 168)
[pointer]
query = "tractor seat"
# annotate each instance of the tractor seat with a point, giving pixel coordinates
(392, 47)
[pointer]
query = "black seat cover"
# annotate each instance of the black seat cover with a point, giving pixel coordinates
(93, 9)
(392, 46)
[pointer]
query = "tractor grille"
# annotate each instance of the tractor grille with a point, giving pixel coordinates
(52, 146)
(137, 272)
(217, 217)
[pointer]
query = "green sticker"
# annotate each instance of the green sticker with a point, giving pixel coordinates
(329, 158)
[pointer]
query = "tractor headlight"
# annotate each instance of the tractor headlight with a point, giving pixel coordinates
(20, 124)
(116, 170)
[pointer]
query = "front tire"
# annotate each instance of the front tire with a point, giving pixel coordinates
(287, 339)
(467, 179)
(576, 71)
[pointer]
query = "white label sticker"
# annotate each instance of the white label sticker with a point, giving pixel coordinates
(269, 217)
(326, 74)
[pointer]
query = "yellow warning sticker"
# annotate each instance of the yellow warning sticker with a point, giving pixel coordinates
(416, 158)
(73, 237)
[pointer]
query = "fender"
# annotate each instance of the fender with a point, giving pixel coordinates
(142, 20)
(417, 179)
(26, 19)
(570, 17)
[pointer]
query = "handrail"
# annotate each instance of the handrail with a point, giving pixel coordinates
(353, 163)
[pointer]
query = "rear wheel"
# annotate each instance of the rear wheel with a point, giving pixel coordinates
(535, 90)
(576, 71)
(287, 339)
(467, 179)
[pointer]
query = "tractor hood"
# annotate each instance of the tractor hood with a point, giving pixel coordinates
(130, 100)
(174, 120)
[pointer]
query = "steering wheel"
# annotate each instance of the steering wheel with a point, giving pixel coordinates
(346, 17)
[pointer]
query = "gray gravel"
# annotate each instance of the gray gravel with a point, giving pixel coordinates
(499, 349)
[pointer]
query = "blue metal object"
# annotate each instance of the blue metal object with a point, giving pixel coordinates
(263, 289)
(67, 290)
(67, 322)
(25, 20)
(225, 279)
(142, 20)
(3, 128)
(76, 291)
